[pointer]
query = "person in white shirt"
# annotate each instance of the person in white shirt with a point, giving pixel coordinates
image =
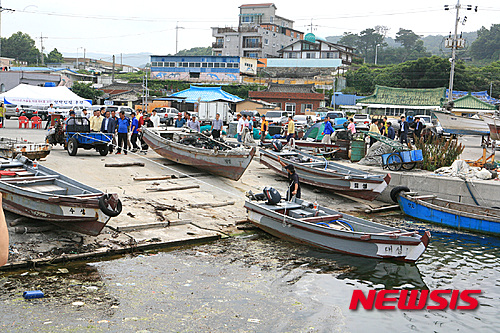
(50, 111)
(155, 119)
(247, 124)
(85, 114)
(239, 128)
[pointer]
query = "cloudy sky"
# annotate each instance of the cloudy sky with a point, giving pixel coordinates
(114, 27)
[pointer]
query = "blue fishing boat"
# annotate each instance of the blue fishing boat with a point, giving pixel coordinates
(449, 213)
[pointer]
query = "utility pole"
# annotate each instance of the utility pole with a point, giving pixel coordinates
(84, 59)
(113, 72)
(177, 36)
(455, 43)
(1, 10)
(311, 26)
(41, 47)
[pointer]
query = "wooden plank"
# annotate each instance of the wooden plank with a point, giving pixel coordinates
(175, 188)
(126, 164)
(207, 204)
(152, 178)
(165, 224)
(381, 209)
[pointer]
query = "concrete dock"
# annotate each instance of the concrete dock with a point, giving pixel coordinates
(163, 219)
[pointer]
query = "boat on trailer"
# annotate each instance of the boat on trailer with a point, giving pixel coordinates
(318, 171)
(454, 214)
(13, 147)
(37, 192)
(195, 149)
(301, 222)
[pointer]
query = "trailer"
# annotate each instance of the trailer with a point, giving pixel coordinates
(208, 110)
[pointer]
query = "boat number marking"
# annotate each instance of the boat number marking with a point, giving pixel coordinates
(411, 205)
(228, 161)
(392, 250)
(72, 211)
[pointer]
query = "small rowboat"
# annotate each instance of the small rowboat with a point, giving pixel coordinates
(195, 149)
(454, 214)
(32, 190)
(325, 228)
(13, 147)
(319, 172)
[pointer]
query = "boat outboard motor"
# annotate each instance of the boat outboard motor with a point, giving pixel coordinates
(272, 195)
(277, 146)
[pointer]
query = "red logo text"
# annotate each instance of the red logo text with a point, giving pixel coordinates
(415, 299)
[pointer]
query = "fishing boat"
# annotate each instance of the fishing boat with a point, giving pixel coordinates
(37, 192)
(33, 151)
(303, 222)
(457, 125)
(494, 126)
(454, 214)
(195, 149)
(317, 171)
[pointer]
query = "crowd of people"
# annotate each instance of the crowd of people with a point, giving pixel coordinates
(385, 128)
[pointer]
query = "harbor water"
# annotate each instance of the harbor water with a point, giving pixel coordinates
(255, 283)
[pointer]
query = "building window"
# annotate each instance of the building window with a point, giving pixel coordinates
(191, 64)
(266, 41)
(172, 64)
(193, 75)
(310, 55)
(274, 44)
(222, 65)
(274, 34)
(228, 39)
(216, 65)
(204, 65)
(210, 64)
(306, 107)
(290, 107)
(291, 55)
(277, 105)
(271, 19)
(185, 64)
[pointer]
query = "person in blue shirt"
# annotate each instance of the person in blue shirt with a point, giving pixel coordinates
(391, 133)
(180, 122)
(122, 129)
(134, 129)
(328, 131)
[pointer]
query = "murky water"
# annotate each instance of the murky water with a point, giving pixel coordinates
(257, 285)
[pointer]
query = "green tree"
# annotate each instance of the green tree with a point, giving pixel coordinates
(85, 90)
(487, 45)
(20, 46)
(54, 57)
(407, 38)
(368, 40)
(196, 51)
(349, 39)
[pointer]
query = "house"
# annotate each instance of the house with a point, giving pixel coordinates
(202, 68)
(469, 105)
(189, 99)
(260, 33)
(297, 98)
(313, 47)
(128, 94)
(258, 105)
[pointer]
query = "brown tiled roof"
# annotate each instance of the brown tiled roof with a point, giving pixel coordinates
(291, 88)
(259, 5)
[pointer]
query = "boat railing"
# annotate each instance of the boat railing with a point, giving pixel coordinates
(324, 218)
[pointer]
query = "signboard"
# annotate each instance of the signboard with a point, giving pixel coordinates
(108, 102)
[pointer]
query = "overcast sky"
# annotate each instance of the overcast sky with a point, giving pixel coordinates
(114, 27)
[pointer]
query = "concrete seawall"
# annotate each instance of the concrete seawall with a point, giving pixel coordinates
(486, 192)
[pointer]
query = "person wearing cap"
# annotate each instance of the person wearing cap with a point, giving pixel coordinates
(147, 123)
(134, 129)
(293, 178)
(194, 124)
(216, 127)
(180, 122)
(264, 127)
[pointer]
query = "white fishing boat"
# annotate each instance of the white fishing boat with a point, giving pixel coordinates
(457, 125)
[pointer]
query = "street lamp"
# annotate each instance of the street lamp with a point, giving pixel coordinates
(77, 56)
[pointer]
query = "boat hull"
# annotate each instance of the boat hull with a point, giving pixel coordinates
(367, 188)
(407, 249)
(457, 125)
(228, 165)
(494, 126)
(428, 212)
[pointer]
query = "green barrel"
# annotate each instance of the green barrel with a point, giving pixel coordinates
(358, 150)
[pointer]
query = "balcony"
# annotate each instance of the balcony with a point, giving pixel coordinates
(217, 45)
(250, 45)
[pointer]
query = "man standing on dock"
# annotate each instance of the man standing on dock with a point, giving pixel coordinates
(216, 127)
(51, 111)
(264, 127)
(403, 131)
(418, 128)
(134, 128)
(122, 126)
(290, 133)
(327, 131)
(96, 121)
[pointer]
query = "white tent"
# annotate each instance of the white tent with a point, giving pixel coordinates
(25, 94)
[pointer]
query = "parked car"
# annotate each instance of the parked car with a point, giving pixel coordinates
(167, 115)
(13, 110)
(336, 114)
(362, 121)
(277, 117)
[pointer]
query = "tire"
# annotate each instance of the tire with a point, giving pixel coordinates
(7, 117)
(394, 162)
(103, 150)
(395, 192)
(409, 166)
(103, 206)
(72, 146)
